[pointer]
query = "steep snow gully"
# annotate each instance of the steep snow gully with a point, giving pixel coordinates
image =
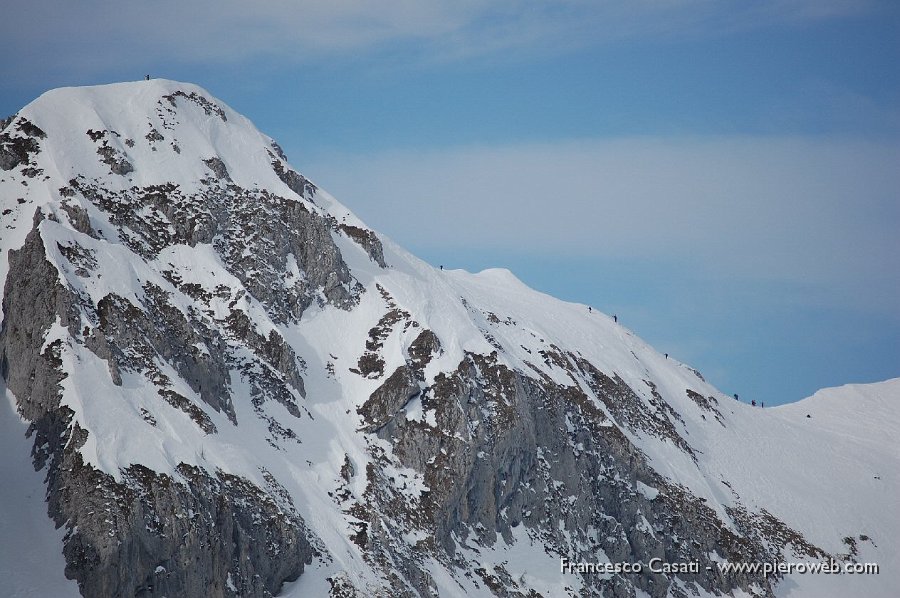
(219, 382)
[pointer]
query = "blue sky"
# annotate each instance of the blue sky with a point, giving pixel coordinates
(723, 175)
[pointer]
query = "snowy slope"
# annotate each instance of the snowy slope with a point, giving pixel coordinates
(299, 346)
(31, 561)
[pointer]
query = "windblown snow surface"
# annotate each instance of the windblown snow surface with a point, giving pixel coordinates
(826, 466)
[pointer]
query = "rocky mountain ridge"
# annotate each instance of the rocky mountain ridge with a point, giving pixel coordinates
(236, 388)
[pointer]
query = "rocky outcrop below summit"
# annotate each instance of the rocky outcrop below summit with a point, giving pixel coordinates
(504, 453)
(145, 534)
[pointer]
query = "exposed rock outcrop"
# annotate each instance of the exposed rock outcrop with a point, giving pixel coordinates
(147, 534)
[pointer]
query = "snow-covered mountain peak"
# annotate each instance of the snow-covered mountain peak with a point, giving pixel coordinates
(214, 349)
(164, 126)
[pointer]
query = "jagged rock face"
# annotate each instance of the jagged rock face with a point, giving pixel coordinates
(154, 536)
(148, 534)
(495, 460)
(18, 145)
(232, 219)
(232, 384)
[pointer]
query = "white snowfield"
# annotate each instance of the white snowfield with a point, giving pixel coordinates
(827, 466)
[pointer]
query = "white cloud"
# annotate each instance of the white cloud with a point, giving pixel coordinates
(100, 34)
(821, 212)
